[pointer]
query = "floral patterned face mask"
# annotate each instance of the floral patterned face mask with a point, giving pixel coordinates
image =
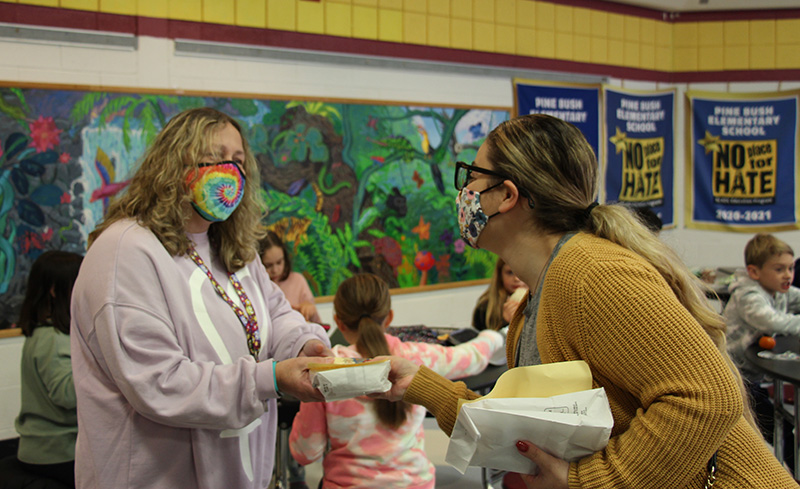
(471, 218)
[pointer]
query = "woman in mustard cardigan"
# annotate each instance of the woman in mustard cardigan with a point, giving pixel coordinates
(605, 290)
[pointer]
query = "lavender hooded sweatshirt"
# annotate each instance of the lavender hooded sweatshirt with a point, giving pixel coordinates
(168, 394)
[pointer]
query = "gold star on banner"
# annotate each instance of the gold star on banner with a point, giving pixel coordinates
(710, 143)
(619, 140)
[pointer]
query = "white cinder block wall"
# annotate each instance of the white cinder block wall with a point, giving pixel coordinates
(154, 64)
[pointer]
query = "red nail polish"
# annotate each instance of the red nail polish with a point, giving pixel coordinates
(522, 446)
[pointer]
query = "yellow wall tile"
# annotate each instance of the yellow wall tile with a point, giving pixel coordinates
(251, 13)
(787, 31)
(505, 39)
(151, 8)
(439, 7)
(710, 58)
(416, 6)
(338, 19)
(663, 59)
(310, 17)
(281, 16)
(43, 3)
(526, 41)
(632, 27)
(631, 56)
(564, 46)
(599, 24)
(526, 14)
(616, 26)
(762, 32)
(599, 50)
(762, 57)
(122, 7)
(483, 10)
(664, 34)
(616, 52)
(737, 32)
(340, 1)
(709, 34)
(390, 25)
(564, 18)
(582, 21)
(185, 10)
(545, 44)
(684, 34)
(647, 56)
(80, 4)
(685, 58)
(461, 33)
(545, 15)
(737, 57)
(505, 12)
(219, 12)
(482, 36)
(582, 48)
(461, 9)
(439, 31)
(365, 22)
(414, 28)
(787, 56)
(363, 3)
(391, 4)
(647, 31)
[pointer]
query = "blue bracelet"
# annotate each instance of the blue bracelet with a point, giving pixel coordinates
(275, 378)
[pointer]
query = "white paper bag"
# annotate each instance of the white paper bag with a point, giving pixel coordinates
(568, 426)
(338, 381)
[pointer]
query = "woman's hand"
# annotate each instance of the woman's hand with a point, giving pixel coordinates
(315, 348)
(401, 374)
(307, 309)
(552, 473)
(293, 378)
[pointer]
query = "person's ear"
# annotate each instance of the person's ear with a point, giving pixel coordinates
(510, 196)
(339, 323)
(387, 320)
(753, 272)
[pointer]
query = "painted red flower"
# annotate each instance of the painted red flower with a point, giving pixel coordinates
(66, 198)
(44, 134)
(64, 158)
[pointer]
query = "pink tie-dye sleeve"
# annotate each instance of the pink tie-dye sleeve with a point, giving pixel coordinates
(454, 362)
(309, 435)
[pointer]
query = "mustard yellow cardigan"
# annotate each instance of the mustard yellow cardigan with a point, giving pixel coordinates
(673, 399)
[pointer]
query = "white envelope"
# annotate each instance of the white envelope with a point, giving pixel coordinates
(568, 425)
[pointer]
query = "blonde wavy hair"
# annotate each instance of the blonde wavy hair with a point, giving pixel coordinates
(158, 198)
(556, 170)
(494, 297)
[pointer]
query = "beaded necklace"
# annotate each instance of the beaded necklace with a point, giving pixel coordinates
(246, 317)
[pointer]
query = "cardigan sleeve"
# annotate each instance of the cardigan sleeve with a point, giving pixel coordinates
(658, 365)
(438, 395)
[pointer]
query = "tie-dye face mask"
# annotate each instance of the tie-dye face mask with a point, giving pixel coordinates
(218, 190)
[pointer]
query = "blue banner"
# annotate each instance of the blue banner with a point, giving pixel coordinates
(640, 154)
(578, 104)
(743, 155)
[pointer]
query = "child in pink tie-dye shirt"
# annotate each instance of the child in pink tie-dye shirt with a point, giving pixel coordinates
(378, 443)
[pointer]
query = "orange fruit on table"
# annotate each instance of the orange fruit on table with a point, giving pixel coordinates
(767, 342)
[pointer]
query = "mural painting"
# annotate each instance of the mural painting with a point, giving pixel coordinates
(351, 187)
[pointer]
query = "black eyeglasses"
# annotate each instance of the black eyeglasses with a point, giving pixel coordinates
(464, 173)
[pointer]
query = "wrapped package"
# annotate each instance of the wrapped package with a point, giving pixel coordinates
(349, 377)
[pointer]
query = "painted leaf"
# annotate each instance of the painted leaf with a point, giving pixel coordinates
(31, 167)
(15, 143)
(47, 195)
(46, 158)
(30, 212)
(20, 181)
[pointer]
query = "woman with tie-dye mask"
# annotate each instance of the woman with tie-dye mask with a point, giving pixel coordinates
(181, 343)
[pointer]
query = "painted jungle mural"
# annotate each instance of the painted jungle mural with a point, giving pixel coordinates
(350, 187)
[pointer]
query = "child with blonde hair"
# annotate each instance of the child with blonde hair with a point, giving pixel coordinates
(374, 442)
